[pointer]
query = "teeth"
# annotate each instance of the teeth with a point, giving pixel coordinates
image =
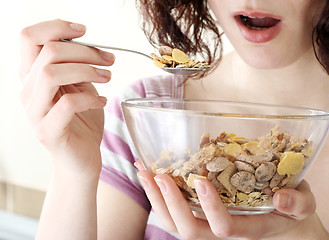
(246, 17)
(256, 17)
(256, 28)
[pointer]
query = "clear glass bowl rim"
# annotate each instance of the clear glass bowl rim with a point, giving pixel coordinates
(141, 103)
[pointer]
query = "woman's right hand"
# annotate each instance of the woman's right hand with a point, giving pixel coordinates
(61, 103)
(294, 217)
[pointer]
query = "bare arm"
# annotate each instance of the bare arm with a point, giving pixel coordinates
(67, 115)
(118, 215)
(69, 210)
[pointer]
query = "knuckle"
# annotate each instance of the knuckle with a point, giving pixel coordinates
(189, 234)
(51, 49)
(41, 135)
(67, 102)
(307, 207)
(170, 226)
(48, 73)
(301, 212)
(60, 25)
(59, 21)
(26, 33)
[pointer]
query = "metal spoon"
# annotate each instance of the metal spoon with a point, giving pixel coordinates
(178, 71)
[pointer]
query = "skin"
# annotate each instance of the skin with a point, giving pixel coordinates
(295, 35)
(66, 113)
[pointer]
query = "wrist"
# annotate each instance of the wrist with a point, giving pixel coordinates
(74, 185)
(310, 228)
(74, 193)
(313, 229)
(73, 169)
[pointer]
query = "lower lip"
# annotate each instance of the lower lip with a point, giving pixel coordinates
(258, 36)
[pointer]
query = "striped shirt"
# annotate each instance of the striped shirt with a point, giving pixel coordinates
(119, 154)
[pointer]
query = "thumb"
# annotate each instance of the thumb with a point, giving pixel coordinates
(298, 203)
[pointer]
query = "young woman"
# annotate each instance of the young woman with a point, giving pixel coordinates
(281, 57)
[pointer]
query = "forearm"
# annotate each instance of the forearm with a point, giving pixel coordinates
(69, 210)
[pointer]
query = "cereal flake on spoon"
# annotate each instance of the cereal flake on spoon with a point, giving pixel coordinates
(175, 58)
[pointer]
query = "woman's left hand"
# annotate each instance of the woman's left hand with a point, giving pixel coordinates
(294, 217)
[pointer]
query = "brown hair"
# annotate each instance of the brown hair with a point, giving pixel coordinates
(321, 38)
(183, 24)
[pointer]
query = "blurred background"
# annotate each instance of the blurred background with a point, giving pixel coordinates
(25, 166)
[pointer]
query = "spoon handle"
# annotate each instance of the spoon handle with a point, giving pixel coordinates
(107, 47)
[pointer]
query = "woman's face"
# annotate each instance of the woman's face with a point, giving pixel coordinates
(268, 34)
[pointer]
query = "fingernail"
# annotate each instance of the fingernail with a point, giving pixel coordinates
(143, 181)
(103, 73)
(106, 56)
(78, 27)
(161, 185)
(284, 200)
(200, 187)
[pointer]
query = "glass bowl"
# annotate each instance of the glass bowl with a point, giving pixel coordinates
(246, 150)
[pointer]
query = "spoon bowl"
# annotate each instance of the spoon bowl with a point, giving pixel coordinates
(184, 71)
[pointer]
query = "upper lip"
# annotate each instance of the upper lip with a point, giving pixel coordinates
(256, 14)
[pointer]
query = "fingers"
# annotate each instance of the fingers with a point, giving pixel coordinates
(177, 205)
(33, 37)
(154, 195)
(56, 121)
(171, 207)
(298, 203)
(56, 75)
(59, 52)
(40, 50)
(64, 52)
(47, 75)
(214, 209)
(225, 225)
(43, 32)
(188, 226)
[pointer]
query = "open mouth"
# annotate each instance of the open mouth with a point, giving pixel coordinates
(258, 23)
(258, 27)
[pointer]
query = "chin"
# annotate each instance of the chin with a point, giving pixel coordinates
(265, 61)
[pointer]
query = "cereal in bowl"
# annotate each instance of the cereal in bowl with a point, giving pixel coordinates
(245, 172)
